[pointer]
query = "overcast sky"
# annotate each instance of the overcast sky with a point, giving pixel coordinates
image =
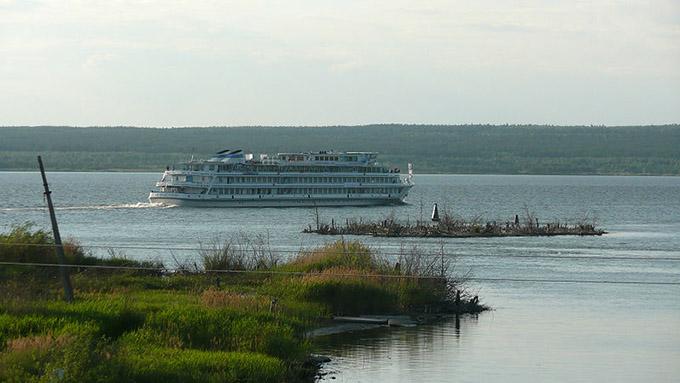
(199, 63)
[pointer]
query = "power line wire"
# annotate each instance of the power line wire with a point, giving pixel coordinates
(406, 252)
(302, 273)
(588, 281)
(229, 271)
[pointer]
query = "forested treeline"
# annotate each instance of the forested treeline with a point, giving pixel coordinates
(511, 149)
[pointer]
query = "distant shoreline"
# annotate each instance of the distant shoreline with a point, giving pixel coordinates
(158, 171)
(432, 149)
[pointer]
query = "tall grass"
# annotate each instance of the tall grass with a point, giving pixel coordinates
(241, 252)
(351, 278)
(163, 365)
(39, 339)
(226, 329)
(340, 254)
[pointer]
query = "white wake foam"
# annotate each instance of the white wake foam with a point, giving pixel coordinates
(138, 205)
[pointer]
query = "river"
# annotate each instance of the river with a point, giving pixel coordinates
(545, 325)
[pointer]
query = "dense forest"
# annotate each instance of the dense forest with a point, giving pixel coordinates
(506, 149)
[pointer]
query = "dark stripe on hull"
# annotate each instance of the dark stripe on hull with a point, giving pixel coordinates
(275, 203)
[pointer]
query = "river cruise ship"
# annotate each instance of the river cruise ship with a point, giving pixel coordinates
(327, 178)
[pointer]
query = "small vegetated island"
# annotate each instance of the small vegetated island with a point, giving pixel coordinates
(141, 321)
(452, 227)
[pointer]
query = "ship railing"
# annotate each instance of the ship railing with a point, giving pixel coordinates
(175, 172)
(278, 184)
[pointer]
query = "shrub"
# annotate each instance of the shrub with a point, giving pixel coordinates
(25, 245)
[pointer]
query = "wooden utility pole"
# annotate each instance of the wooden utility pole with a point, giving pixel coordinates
(58, 248)
(441, 253)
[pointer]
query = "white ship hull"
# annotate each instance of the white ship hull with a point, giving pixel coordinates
(214, 201)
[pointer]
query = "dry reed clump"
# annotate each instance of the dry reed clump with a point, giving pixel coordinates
(241, 252)
(214, 298)
(39, 343)
(413, 261)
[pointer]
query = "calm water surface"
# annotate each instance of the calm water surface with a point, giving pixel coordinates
(576, 332)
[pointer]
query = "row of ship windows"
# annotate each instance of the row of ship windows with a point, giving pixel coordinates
(285, 180)
(287, 169)
(300, 157)
(302, 191)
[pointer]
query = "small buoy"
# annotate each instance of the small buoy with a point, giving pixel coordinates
(435, 213)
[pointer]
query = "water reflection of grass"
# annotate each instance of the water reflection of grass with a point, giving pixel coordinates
(384, 345)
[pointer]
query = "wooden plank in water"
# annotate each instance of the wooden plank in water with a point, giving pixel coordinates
(361, 320)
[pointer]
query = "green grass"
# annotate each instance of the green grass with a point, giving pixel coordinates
(147, 336)
(164, 365)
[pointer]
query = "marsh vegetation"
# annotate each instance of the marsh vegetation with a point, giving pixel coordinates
(240, 314)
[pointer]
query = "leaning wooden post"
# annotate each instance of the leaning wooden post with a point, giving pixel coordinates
(441, 254)
(58, 248)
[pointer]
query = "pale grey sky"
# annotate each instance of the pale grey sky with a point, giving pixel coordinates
(197, 63)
